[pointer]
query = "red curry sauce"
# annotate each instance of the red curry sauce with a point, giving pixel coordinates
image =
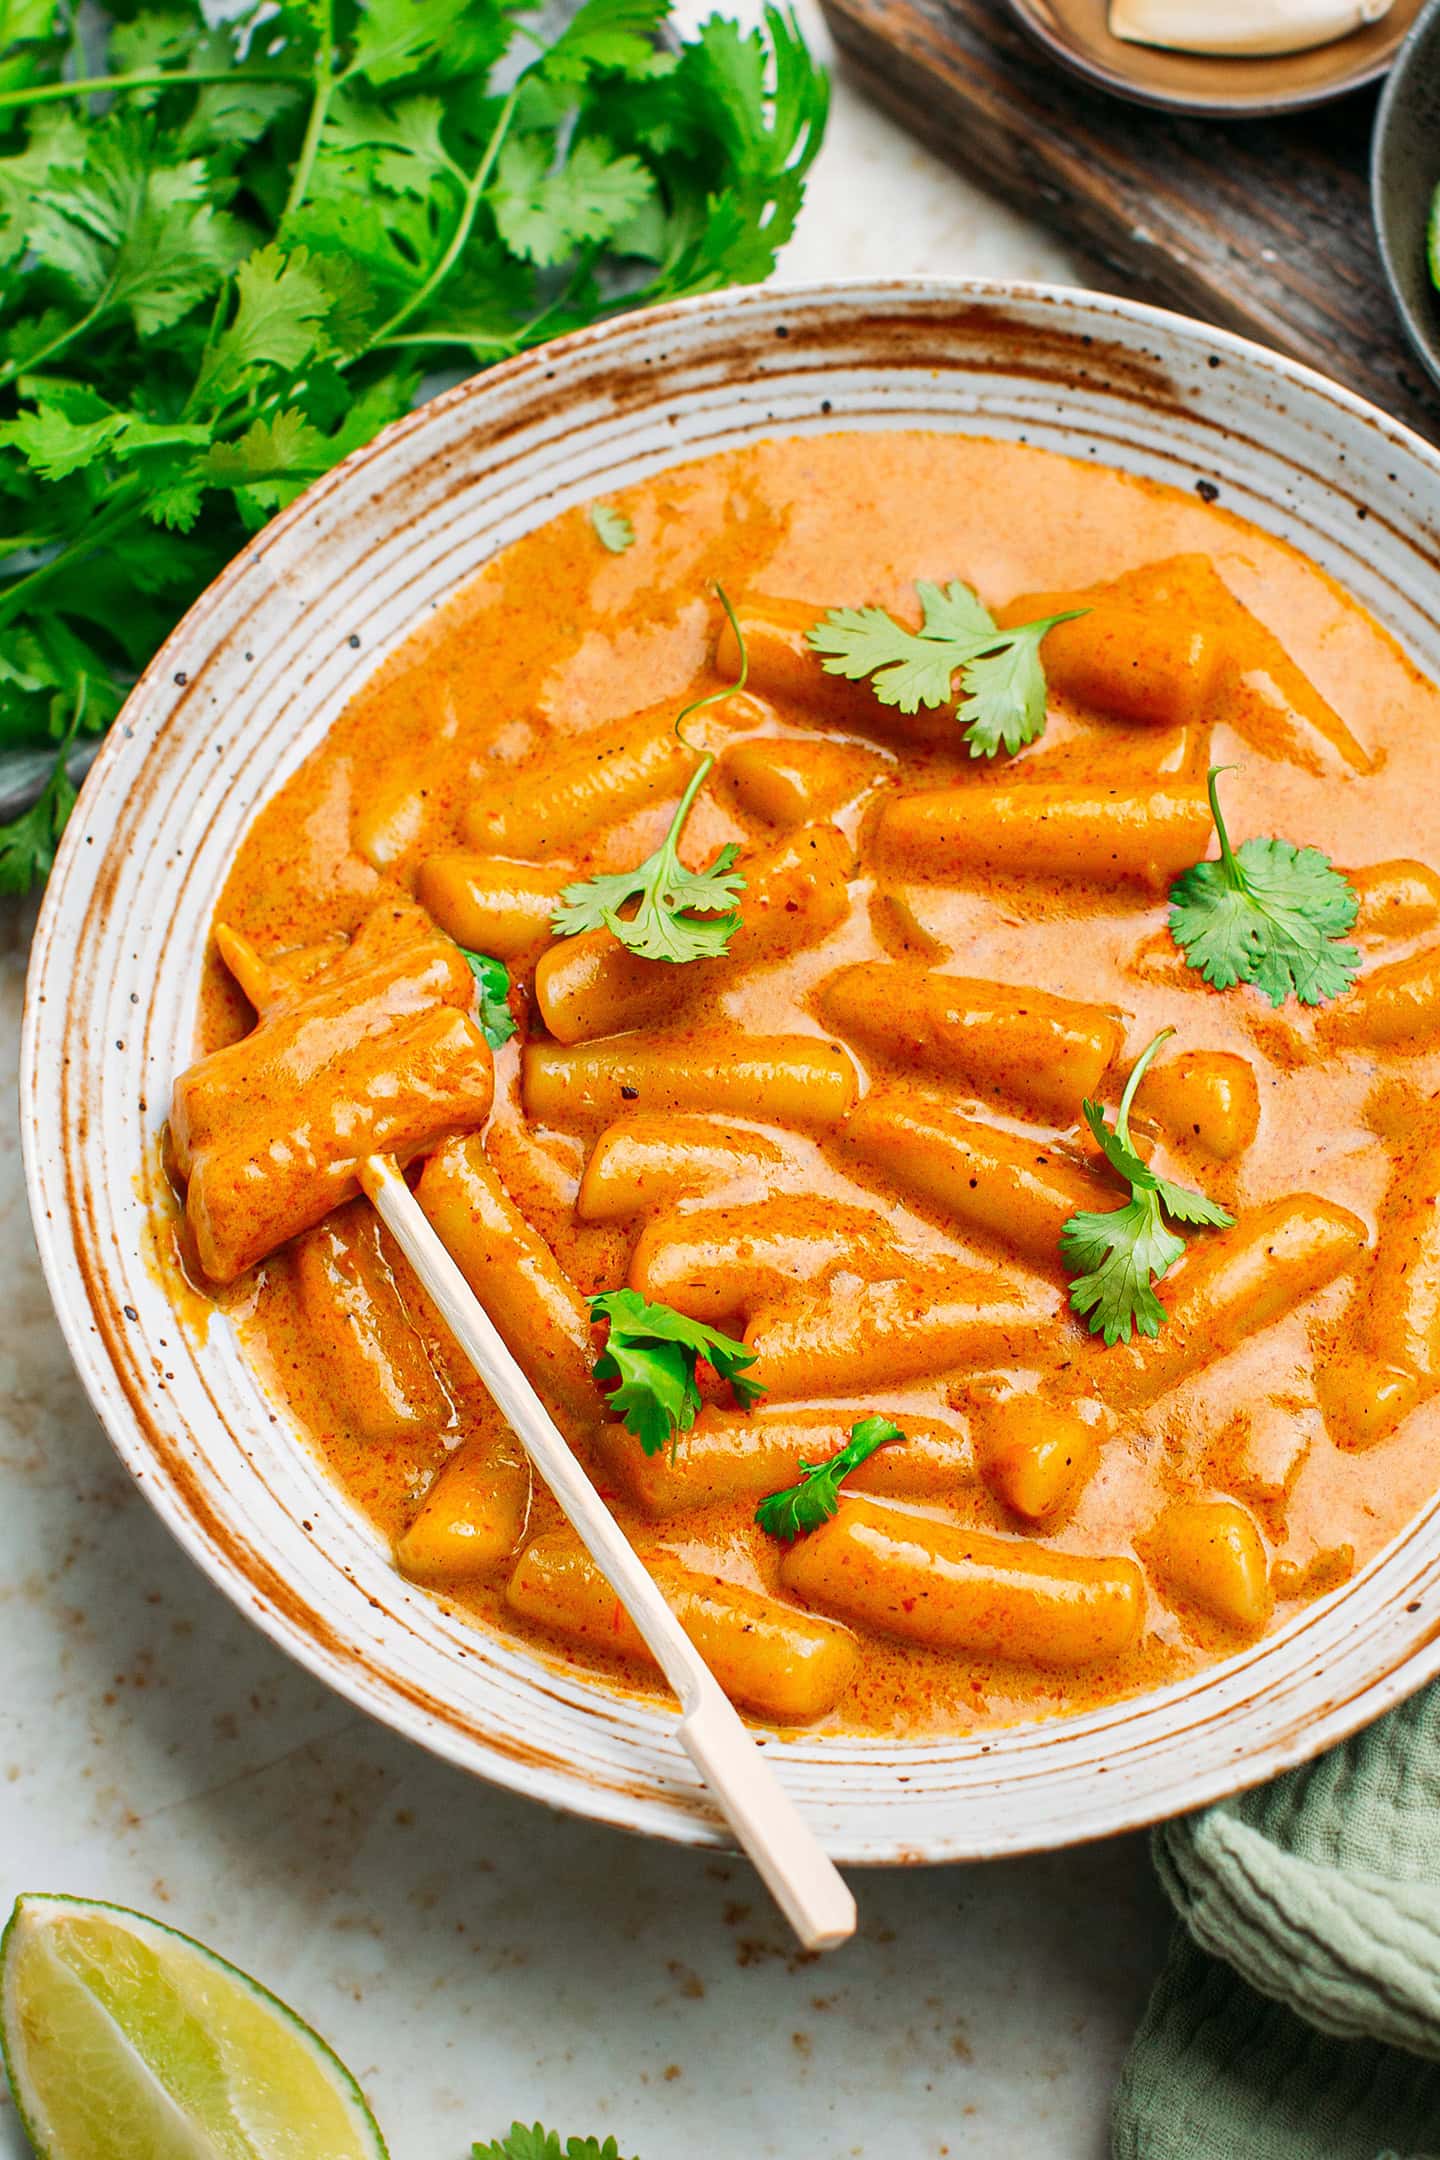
(557, 639)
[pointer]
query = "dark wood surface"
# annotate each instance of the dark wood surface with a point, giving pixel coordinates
(1260, 225)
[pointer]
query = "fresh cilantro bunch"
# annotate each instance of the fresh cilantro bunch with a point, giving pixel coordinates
(538, 2144)
(1002, 680)
(1114, 1257)
(230, 250)
(816, 1498)
(680, 914)
(1267, 913)
(652, 1353)
(492, 979)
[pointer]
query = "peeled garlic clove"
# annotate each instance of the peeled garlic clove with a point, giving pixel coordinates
(1229, 26)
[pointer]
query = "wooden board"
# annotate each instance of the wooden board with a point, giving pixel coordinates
(1262, 226)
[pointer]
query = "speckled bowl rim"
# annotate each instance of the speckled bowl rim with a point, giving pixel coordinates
(118, 947)
(1424, 336)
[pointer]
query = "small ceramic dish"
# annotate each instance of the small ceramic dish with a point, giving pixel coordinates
(248, 685)
(1404, 175)
(1077, 32)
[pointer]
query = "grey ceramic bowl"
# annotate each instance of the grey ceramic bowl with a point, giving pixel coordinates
(118, 954)
(1404, 174)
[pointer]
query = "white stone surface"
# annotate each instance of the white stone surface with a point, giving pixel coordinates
(472, 1956)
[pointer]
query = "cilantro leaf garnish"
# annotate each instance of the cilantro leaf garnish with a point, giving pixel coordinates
(229, 257)
(535, 2143)
(816, 1498)
(1115, 1256)
(612, 528)
(1002, 679)
(652, 1352)
(1267, 913)
(497, 1022)
(681, 914)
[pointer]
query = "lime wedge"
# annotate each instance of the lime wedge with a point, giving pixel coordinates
(126, 2041)
(1432, 237)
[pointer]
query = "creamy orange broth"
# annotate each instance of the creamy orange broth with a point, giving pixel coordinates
(556, 638)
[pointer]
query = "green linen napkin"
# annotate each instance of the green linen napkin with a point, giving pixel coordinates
(1298, 2015)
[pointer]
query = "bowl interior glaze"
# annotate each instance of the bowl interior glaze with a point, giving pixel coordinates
(249, 683)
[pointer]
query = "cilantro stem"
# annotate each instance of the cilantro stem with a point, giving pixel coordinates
(202, 372)
(531, 332)
(1228, 863)
(479, 180)
(502, 348)
(1142, 1064)
(534, 330)
(325, 87)
(76, 716)
(670, 845)
(121, 512)
(142, 79)
(714, 697)
(12, 368)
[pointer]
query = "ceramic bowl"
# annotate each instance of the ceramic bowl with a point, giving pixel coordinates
(1077, 33)
(249, 683)
(1404, 175)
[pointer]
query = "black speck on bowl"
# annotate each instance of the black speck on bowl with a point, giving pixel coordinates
(1404, 174)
